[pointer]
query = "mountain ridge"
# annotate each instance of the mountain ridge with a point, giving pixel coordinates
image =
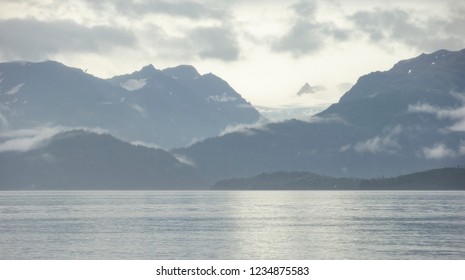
(147, 105)
(387, 123)
(80, 159)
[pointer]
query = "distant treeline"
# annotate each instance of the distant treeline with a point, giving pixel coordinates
(436, 179)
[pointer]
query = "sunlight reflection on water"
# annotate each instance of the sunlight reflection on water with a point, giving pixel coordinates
(232, 225)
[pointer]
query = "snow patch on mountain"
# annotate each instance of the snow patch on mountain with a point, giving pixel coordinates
(14, 89)
(221, 98)
(138, 108)
(134, 84)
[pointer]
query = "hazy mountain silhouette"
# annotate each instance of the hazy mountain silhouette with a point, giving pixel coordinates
(183, 106)
(436, 179)
(85, 160)
(406, 119)
(149, 105)
(390, 123)
(308, 89)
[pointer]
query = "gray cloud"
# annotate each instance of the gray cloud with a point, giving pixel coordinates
(33, 39)
(203, 42)
(387, 26)
(187, 9)
(215, 42)
(131, 8)
(303, 38)
(307, 35)
(304, 8)
(134, 9)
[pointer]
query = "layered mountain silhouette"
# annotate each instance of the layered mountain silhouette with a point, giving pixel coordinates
(408, 119)
(169, 108)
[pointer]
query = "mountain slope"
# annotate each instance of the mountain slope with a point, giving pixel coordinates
(398, 121)
(85, 160)
(183, 104)
(34, 94)
(382, 98)
(148, 105)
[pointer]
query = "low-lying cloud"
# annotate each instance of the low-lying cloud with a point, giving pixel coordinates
(455, 114)
(24, 140)
(438, 151)
(246, 129)
(442, 151)
(385, 143)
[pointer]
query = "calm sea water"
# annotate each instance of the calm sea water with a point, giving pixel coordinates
(232, 225)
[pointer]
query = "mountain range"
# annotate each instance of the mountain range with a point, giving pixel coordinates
(407, 119)
(403, 120)
(168, 108)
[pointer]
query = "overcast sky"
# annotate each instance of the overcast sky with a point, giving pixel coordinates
(266, 49)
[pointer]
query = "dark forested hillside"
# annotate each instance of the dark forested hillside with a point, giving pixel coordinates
(436, 179)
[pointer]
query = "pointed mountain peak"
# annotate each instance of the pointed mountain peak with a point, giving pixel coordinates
(182, 72)
(148, 68)
(308, 89)
(146, 72)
